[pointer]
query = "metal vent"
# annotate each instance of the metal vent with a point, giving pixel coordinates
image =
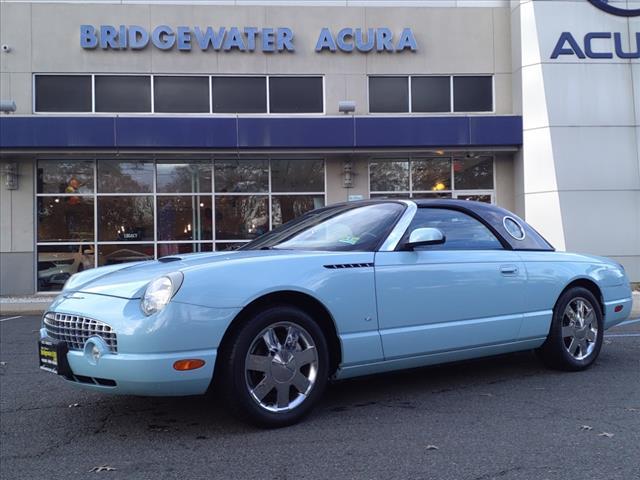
(75, 330)
(339, 266)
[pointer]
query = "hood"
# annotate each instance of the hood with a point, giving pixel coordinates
(129, 280)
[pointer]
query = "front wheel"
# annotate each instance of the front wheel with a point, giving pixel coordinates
(576, 333)
(276, 367)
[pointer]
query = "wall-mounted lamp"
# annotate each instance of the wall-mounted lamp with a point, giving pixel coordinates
(10, 172)
(347, 106)
(7, 106)
(347, 174)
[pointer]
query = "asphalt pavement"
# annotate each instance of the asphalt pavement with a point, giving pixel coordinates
(505, 417)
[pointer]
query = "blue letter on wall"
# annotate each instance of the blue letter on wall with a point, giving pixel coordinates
(325, 40)
(407, 40)
(589, 37)
(88, 38)
(574, 49)
(163, 37)
(138, 37)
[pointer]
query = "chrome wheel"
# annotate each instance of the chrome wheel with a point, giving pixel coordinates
(579, 328)
(281, 367)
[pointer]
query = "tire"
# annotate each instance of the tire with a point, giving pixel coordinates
(275, 367)
(577, 329)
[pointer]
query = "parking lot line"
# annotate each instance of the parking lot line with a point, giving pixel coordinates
(10, 318)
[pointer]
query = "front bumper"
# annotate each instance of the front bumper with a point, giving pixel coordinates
(141, 374)
(147, 347)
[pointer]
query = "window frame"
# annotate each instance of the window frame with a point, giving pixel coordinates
(152, 112)
(443, 247)
(211, 160)
(453, 192)
(451, 111)
(75, 74)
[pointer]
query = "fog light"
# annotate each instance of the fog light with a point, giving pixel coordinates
(188, 364)
(95, 349)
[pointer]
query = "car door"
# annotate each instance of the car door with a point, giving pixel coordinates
(467, 292)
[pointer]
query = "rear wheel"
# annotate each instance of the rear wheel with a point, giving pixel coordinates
(276, 367)
(575, 338)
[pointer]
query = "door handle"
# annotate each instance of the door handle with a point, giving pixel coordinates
(508, 269)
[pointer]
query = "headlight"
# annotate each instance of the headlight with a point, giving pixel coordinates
(159, 292)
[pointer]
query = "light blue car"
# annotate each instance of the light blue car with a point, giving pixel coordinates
(347, 290)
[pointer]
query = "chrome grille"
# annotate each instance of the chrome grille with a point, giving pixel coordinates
(75, 330)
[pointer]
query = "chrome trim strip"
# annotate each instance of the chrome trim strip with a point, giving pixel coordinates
(504, 224)
(396, 234)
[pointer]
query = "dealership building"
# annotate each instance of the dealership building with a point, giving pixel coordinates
(132, 130)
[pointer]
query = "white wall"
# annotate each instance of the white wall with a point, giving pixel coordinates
(578, 175)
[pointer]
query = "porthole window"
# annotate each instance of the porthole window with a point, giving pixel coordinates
(513, 228)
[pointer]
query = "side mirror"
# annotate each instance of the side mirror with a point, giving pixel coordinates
(424, 236)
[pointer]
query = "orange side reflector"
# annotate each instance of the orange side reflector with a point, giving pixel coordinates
(188, 364)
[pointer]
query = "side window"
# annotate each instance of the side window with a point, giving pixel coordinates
(462, 232)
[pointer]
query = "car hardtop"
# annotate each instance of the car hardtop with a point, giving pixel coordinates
(492, 216)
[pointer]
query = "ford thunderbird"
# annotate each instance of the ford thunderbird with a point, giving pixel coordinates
(346, 290)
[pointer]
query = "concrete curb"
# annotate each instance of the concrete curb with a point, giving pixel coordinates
(31, 305)
(37, 304)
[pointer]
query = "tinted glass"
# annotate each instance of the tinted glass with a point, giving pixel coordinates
(296, 95)
(128, 219)
(297, 175)
(178, 177)
(241, 217)
(63, 93)
(241, 176)
(430, 94)
(388, 94)
(123, 93)
(125, 176)
(389, 176)
(473, 173)
(473, 94)
(341, 228)
(239, 94)
(124, 253)
(181, 94)
(56, 263)
(165, 249)
(68, 218)
(65, 176)
(184, 218)
(288, 207)
(462, 232)
(228, 246)
(431, 174)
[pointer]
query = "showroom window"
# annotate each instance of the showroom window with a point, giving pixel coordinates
(203, 94)
(103, 212)
(466, 177)
(431, 94)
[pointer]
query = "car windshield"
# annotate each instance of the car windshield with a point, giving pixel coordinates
(340, 228)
